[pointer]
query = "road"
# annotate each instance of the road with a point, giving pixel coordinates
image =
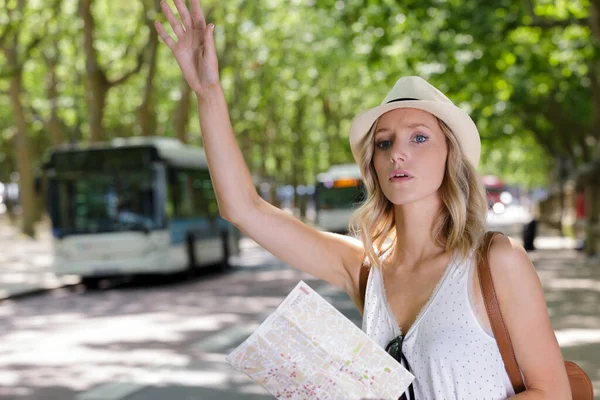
(150, 339)
(168, 338)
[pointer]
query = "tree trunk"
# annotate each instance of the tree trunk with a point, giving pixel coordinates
(96, 95)
(22, 154)
(40, 199)
(333, 133)
(592, 190)
(97, 83)
(264, 148)
(8, 166)
(182, 112)
(22, 150)
(298, 161)
(592, 193)
(53, 125)
(278, 168)
(146, 112)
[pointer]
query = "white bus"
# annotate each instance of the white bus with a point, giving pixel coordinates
(134, 206)
(339, 191)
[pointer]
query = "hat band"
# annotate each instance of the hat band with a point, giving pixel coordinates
(401, 99)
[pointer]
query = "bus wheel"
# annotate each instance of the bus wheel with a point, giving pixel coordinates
(226, 252)
(191, 253)
(91, 283)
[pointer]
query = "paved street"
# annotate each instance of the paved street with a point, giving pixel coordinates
(167, 338)
(146, 340)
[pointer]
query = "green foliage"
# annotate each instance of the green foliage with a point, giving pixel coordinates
(296, 73)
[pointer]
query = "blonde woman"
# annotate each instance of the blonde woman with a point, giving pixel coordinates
(424, 216)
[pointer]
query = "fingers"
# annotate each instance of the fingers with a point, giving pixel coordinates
(184, 14)
(163, 35)
(209, 40)
(197, 15)
(175, 24)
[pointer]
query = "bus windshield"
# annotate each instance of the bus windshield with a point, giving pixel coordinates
(339, 197)
(93, 202)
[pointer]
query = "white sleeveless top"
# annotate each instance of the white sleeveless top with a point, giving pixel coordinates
(449, 352)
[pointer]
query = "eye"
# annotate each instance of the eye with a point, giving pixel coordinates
(420, 138)
(383, 144)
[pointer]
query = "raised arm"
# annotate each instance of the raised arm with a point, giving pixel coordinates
(331, 257)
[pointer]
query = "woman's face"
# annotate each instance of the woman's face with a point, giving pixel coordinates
(409, 141)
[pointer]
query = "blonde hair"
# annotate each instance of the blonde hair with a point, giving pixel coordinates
(461, 221)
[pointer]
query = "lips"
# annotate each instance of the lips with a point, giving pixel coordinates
(400, 174)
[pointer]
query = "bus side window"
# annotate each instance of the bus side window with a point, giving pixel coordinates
(205, 200)
(209, 194)
(187, 194)
(180, 195)
(190, 194)
(171, 195)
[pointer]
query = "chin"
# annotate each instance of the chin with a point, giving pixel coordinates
(398, 199)
(402, 198)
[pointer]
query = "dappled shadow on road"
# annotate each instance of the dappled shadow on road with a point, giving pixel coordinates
(167, 333)
(56, 345)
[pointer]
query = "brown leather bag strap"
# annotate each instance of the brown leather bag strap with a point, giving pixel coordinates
(362, 283)
(495, 316)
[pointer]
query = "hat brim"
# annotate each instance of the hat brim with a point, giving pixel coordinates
(457, 120)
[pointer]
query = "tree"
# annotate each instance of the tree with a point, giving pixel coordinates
(146, 112)
(12, 39)
(97, 81)
(524, 70)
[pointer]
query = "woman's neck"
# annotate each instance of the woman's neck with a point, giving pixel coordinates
(415, 223)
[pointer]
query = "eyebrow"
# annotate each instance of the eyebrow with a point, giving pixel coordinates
(411, 126)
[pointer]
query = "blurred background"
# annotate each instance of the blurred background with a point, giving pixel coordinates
(118, 278)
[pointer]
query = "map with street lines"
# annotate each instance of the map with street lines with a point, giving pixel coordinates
(308, 349)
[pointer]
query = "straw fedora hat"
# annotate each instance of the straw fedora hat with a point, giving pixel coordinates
(416, 92)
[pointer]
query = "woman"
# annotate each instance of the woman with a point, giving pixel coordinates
(418, 154)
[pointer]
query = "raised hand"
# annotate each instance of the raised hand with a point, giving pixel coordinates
(194, 48)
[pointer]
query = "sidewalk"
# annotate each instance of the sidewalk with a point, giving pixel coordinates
(572, 290)
(25, 263)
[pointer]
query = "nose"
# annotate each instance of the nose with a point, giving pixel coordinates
(399, 153)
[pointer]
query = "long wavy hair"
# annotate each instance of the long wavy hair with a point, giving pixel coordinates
(460, 223)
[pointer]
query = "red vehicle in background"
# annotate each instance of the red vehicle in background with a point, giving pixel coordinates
(498, 197)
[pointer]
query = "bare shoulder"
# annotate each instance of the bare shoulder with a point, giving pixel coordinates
(507, 256)
(513, 273)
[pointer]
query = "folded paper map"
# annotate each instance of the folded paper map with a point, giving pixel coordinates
(307, 349)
